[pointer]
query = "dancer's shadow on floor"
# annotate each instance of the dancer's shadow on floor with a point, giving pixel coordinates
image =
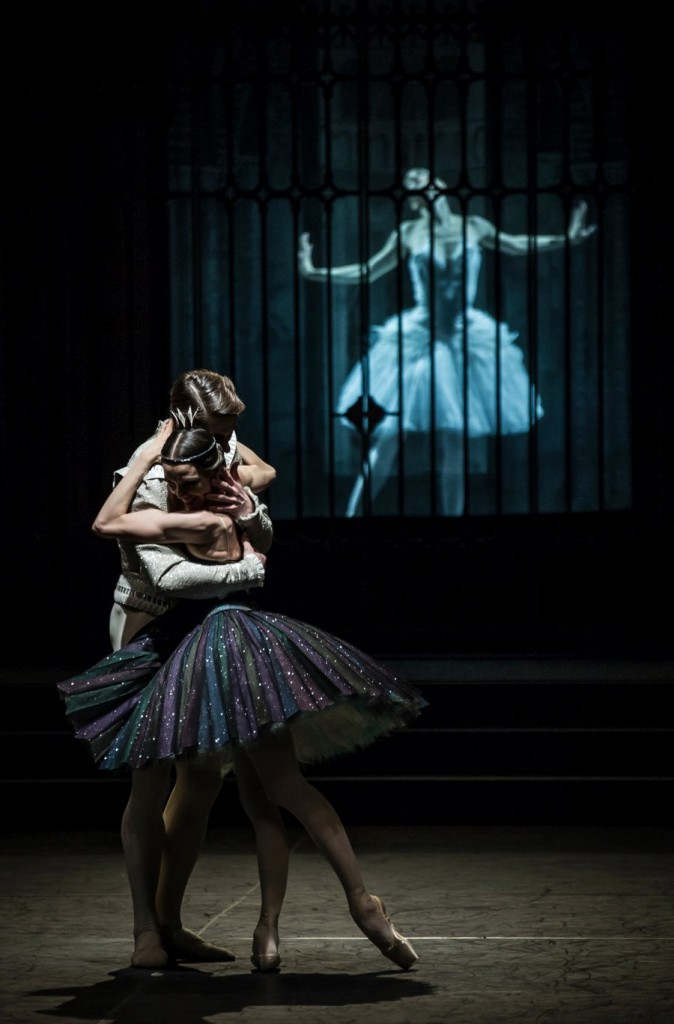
(191, 996)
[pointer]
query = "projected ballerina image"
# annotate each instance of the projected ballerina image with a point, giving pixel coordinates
(442, 365)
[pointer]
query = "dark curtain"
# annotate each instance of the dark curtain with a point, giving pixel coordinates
(86, 363)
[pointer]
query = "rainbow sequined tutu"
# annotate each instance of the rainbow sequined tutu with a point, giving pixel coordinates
(224, 681)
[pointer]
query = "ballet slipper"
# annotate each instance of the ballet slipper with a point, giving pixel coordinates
(149, 953)
(265, 956)
(266, 961)
(398, 949)
(183, 944)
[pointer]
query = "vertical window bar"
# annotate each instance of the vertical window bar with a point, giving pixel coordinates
(363, 107)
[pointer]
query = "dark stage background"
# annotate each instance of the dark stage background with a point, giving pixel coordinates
(88, 276)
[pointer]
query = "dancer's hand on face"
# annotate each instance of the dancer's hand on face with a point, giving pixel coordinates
(229, 495)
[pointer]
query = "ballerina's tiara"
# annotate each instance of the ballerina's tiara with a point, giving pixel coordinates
(185, 419)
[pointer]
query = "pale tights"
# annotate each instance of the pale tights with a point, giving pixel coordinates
(162, 842)
(270, 769)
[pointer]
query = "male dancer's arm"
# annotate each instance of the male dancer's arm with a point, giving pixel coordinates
(254, 472)
(135, 513)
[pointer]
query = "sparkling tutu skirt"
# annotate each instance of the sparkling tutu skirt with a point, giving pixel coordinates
(202, 679)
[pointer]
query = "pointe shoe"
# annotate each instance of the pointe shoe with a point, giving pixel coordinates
(270, 960)
(149, 955)
(400, 952)
(266, 961)
(183, 944)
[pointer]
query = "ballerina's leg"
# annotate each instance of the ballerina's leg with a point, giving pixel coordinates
(272, 860)
(275, 762)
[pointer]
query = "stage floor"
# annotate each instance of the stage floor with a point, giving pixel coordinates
(512, 924)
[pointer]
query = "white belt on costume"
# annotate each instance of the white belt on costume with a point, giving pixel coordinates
(141, 601)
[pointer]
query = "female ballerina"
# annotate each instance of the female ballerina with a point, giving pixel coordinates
(165, 819)
(444, 285)
(265, 691)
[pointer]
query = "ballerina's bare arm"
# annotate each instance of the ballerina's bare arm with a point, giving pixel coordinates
(486, 234)
(383, 261)
(114, 520)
